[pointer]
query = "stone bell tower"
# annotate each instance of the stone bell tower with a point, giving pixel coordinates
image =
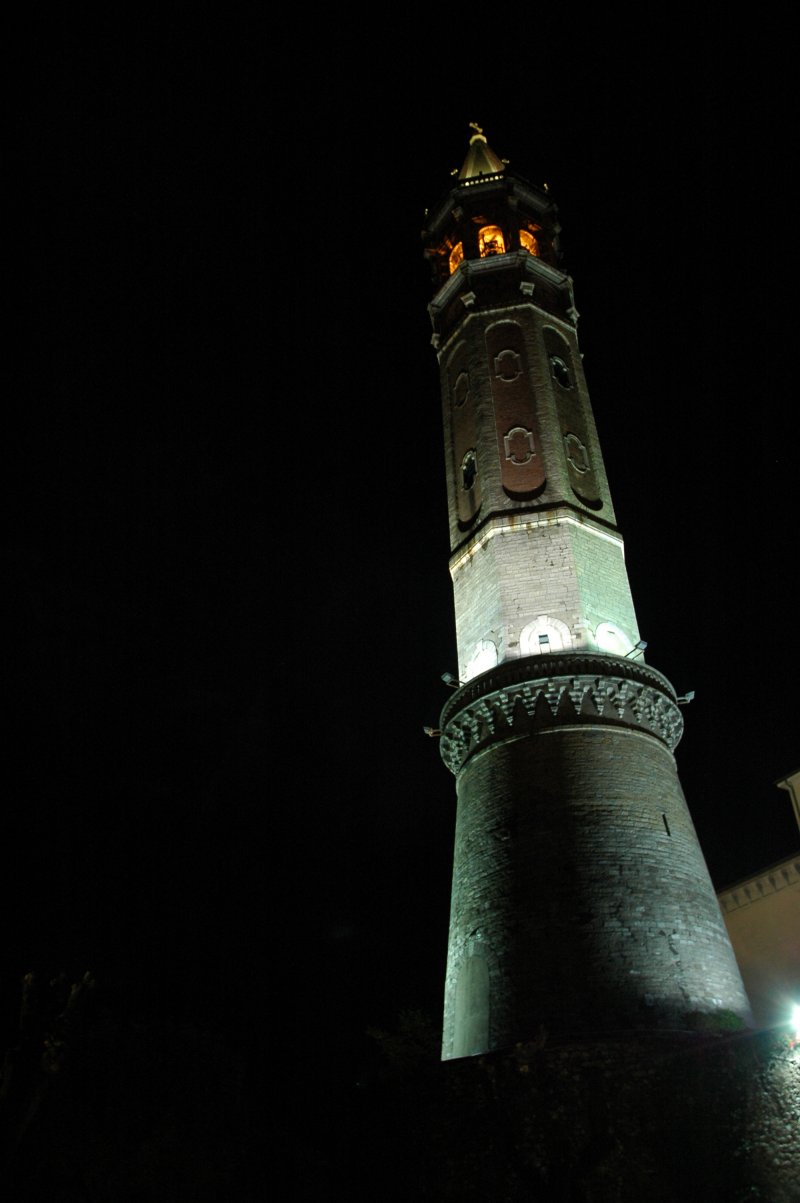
(581, 901)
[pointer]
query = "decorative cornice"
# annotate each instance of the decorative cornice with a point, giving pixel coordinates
(523, 520)
(470, 273)
(763, 885)
(537, 693)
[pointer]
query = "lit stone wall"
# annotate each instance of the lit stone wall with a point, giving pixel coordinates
(552, 565)
(603, 581)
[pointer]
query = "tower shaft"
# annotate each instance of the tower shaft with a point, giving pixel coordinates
(580, 893)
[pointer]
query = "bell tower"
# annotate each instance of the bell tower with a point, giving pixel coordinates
(581, 900)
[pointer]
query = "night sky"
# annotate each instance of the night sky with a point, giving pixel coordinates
(227, 546)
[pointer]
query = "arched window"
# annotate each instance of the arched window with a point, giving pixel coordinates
(609, 638)
(491, 241)
(456, 256)
(543, 635)
(528, 242)
(560, 371)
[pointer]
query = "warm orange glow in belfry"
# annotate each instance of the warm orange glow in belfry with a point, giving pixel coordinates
(456, 256)
(528, 242)
(491, 241)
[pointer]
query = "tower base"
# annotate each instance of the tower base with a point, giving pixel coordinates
(581, 899)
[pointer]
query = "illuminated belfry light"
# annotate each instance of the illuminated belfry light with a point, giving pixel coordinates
(581, 900)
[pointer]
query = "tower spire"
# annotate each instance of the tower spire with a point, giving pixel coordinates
(481, 159)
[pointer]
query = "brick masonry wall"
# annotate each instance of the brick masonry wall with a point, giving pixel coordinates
(579, 881)
(709, 1118)
(662, 1118)
(570, 573)
(468, 352)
